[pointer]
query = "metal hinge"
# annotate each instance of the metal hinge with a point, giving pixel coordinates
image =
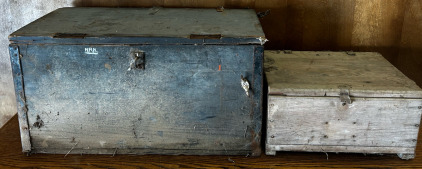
(69, 35)
(205, 36)
(137, 60)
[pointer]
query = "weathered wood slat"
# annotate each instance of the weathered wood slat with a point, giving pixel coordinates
(337, 148)
(323, 121)
(145, 22)
(366, 74)
(340, 102)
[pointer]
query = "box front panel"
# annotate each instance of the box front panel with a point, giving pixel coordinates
(369, 125)
(149, 98)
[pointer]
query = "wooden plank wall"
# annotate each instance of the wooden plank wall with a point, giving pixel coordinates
(409, 60)
(391, 27)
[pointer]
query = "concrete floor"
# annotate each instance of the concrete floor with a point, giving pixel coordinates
(14, 15)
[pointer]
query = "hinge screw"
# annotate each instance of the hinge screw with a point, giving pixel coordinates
(419, 107)
(272, 136)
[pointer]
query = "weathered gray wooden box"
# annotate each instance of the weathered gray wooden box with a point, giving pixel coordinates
(141, 81)
(340, 102)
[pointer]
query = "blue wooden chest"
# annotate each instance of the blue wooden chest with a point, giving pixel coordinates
(140, 81)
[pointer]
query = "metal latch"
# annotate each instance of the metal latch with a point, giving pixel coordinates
(137, 61)
(344, 96)
(245, 84)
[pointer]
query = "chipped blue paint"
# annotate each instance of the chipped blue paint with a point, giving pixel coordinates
(143, 84)
(20, 97)
(189, 90)
(258, 82)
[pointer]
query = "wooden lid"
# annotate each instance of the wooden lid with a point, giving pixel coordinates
(187, 23)
(363, 74)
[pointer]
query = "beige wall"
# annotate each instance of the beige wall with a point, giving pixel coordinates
(15, 14)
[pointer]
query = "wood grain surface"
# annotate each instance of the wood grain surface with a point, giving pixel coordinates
(366, 74)
(11, 157)
(187, 108)
(324, 124)
(145, 22)
(409, 60)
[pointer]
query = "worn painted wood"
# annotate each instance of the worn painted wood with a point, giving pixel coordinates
(306, 111)
(186, 98)
(309, 73)
(145, 22)
(15, 55)
(178, 103)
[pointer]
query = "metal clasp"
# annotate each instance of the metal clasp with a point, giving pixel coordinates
(137, 61)
(245, 84)
(344, 96)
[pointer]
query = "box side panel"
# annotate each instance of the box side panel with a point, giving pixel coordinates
(187, 99)
(257, 100)
(294, 123)
(20, 96)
